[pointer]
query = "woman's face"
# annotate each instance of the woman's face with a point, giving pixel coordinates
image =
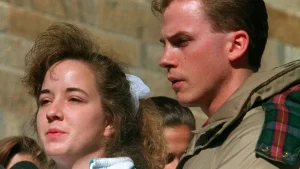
(70, 120)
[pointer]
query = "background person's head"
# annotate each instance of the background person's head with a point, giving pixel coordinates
(84, 105)
(210, 47)
(20, 148)
(178, 123)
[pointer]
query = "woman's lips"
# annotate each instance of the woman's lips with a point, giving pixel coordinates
(54, 132)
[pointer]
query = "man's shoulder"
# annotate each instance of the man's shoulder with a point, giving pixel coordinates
(236, 150)
(274, 127)
(267, 135)
(280, 136)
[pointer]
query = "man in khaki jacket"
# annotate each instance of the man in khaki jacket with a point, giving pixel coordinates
(213, 49)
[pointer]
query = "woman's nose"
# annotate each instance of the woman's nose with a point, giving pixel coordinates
(54, 112)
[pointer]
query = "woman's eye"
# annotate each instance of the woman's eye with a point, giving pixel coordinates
(43, 102)
(76, 100)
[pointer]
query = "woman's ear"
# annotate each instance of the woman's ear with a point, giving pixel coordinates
(239, 42)
(109, 131)
(109, 127)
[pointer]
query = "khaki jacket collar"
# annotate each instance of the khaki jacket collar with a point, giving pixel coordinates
(258, 87)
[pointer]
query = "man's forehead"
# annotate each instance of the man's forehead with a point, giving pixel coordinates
(181, 8)
(178, 15)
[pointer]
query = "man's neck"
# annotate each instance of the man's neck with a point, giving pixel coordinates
(226, 90)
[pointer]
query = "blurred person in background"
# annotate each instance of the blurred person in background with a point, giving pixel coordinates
(178, 122)
(15, 149)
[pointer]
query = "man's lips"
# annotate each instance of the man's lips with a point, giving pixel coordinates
(176, 83)
(173, 79)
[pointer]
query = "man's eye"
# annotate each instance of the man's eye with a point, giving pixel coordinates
(181, 42)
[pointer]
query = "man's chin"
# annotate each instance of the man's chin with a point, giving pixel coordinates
(187, 101)
(184, 101)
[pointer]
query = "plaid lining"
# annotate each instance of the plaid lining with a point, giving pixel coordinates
(280, 137)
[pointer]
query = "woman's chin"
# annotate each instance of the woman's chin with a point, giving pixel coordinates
(53, 151)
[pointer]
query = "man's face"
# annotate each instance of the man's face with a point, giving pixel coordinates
(193, 53)
(177, 139)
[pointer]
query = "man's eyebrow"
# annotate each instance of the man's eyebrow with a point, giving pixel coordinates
(75, 89)
(180, 33)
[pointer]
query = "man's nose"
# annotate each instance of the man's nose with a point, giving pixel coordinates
(168, 59)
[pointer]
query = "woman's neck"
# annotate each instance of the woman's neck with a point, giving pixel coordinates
(76, 162)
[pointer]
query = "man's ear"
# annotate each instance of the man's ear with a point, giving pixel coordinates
(109, 127)
(239, 42)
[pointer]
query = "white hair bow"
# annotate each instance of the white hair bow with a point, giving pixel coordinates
(138, 90)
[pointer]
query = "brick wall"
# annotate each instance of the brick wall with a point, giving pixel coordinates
(126, 26)
(284, 43)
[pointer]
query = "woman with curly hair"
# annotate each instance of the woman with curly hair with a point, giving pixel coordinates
(90, 113)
